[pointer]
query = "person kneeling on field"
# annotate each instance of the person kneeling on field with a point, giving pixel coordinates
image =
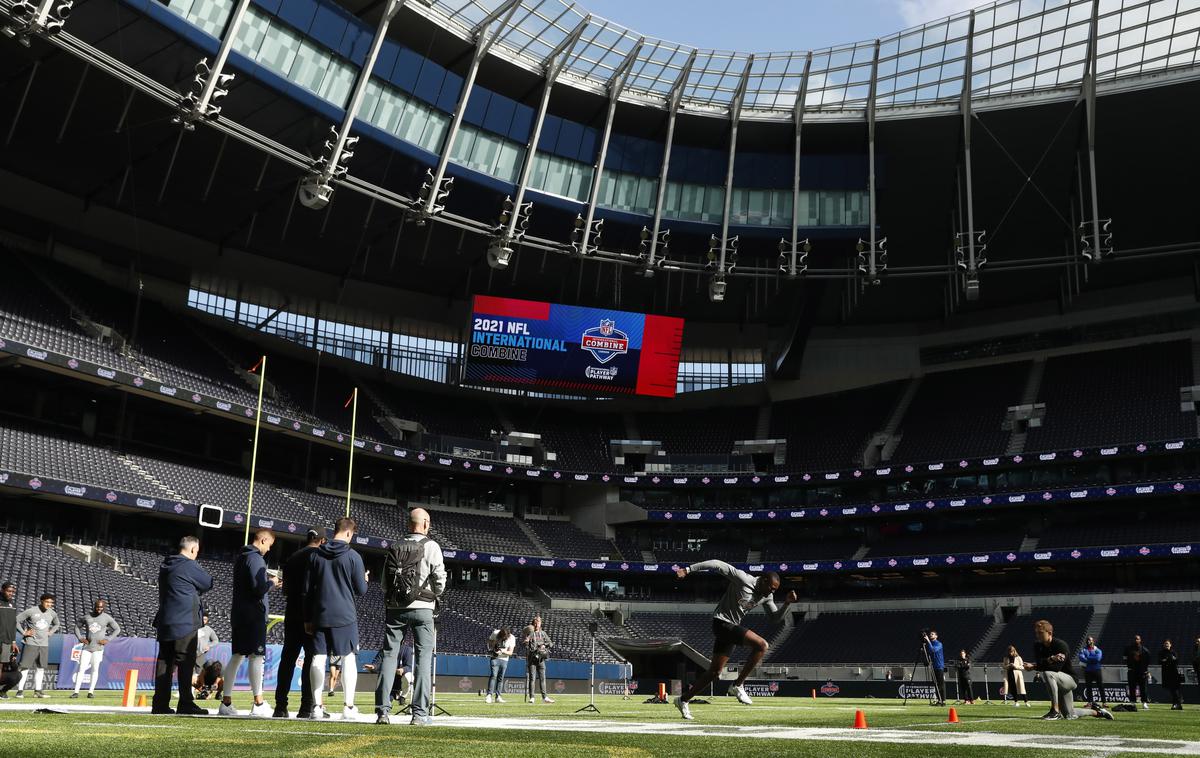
(1053, 660)
(743, 593)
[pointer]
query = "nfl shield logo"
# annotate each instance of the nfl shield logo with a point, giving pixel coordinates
(606, 326)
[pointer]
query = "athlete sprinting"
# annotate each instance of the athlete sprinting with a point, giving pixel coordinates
(744, 593)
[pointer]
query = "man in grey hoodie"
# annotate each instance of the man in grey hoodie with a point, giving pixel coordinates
(94, 631)
(743, 594)
(37, 625)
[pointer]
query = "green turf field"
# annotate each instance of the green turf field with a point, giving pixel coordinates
(624, 729)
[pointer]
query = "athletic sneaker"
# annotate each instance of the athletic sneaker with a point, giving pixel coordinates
(21, 694)
(499, 699)
(3, 696)
(1145, 706)
(739, 692)
(261, 711)
(74, 695)
(280, 712)
(40, 694)
(349, 713)
(226, 710)
(488, 700)
(91, 696)
(682, 705)
(191, 710)
(318, 713)
(1104, 713)
(421, 721)
(1072, 717)
(1052, 716)
(546, 700)
(383, 719)
(530, 698)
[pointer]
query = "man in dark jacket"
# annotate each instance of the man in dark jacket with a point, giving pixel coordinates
(335, 578)
(295, 584)
(8, 639)
(1137, 664)
(249, 609)
(181, 582)
(1052, 657)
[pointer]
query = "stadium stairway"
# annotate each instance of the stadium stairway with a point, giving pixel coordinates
(762, 428)
(888, 436)
(1033, 385)
(1100, 612)
(1029, 543)
(532, 535)
(989, 638)
(148, 477)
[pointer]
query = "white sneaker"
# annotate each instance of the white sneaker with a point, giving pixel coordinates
(530, 698)
(227, 710)
(261, 711)
(488, 700)
(1145, 706)
(740, 693)
(683, 708)
(349, 713)
(547, 700)
(499, 699)
(319, 713)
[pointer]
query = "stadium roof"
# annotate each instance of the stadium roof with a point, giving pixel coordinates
(1018, 47)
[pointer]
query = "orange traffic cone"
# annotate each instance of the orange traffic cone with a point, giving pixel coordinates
(814, 694)
(860, 720)
(953, 717)
(141, 701)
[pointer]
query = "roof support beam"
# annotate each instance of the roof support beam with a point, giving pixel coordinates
(798, 117)
(735, 115)
(196, 106)
(616, 84)
(552, 65)
(872, 265)
(674, 99)
(316, 190)
(485, 36)
(972, 264)
(1089, 94)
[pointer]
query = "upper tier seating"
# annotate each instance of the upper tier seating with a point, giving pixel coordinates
(830, 432)
(1155, 622)
(959, 413)
(1115, 396)
(565, 540)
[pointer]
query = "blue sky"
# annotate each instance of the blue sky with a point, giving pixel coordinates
(768, 25)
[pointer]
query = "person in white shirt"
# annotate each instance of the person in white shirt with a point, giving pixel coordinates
(501, 645)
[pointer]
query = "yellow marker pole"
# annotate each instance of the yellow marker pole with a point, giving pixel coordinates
(262, 380)
(353, 431)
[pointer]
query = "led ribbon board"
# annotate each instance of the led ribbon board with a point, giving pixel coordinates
(534, 345)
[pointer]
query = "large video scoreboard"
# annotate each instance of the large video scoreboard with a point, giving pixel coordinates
(534, 345)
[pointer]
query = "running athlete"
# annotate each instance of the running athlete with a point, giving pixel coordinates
(743, 594)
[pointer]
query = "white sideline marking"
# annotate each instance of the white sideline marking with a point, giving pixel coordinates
(1096, 745)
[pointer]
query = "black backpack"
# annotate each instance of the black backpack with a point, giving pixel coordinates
(402, 570)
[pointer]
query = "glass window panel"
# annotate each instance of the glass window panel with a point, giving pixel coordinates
(508, 161)
(339, 80)
(310, 66)
(251, 33)
(279, 49)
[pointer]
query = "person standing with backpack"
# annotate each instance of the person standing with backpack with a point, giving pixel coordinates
(414, 577)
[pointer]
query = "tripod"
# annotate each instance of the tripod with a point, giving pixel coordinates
(591, 706)
(923, 662)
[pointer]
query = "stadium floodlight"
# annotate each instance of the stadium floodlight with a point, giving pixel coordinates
(43, 18)
(499, 255)
(714, 249)
(1092, 248)
(794, 262)
(577, 232)
(867, 257)
(716, 288)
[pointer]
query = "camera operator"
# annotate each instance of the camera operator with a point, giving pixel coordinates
(937, 663)
(537, 652)
(500, 644)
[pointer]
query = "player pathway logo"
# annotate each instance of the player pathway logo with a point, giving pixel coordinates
(605, 342)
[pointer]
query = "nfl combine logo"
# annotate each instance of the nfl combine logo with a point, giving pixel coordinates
(605, 342)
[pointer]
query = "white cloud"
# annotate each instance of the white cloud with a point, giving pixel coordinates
(915, 12)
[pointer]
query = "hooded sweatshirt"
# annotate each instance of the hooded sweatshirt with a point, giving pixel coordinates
(1091, 658)
(741, 595)
(93, 629)
(335, 578)
(43, 623)
(181, 582)
(251, 583)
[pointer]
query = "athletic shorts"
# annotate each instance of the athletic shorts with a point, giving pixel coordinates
(34, 657)
(337, 640)
(249, 639)
(726, 636)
